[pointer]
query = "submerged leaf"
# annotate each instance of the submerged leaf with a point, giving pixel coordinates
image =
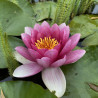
(8, 53)
(63, 11)
(13, 41)
(85, 4)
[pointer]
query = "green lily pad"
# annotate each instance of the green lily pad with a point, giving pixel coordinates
(91, 40)
(77, 47)
(44, 10)
(24, 5)
(79, 74)
(84, 24)
(14, 42)
(20, 89)
(15, 15)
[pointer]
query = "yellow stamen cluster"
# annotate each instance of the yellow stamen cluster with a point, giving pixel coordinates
(46, 43)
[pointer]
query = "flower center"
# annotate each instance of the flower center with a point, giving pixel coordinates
(46, 43)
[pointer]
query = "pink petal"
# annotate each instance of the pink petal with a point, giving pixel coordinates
(58, 47)
(28, 30)
(65, 36)
(73, 56)
(66, 48)
(34, 36)
(45, 24)
(21, 59)
(62, 26)
(42, 51)
(53, 53)
(55, 32)
(45, 62)
(35, 55)
(34, 33)
(26, 39)
(37, 27)
(62, 34)
(45, 31)
(40, 35)
(34, 47)
(74, 39)
(24, 52)
(27, 70)
(59, 62)
(54, 80)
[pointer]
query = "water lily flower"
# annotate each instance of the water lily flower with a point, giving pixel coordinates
(47, 48)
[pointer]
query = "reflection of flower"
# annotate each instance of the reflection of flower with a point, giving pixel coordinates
(48, 48)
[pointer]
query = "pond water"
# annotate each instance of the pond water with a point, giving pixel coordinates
(95, 11)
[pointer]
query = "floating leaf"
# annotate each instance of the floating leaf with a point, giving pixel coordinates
(84, 24)
(20, 89)
(77, 47)
(80, 73)
(44, 10)
(14, 16)
(91, 40)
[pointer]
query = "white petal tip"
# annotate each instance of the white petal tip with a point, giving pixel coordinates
(20, 58)
(54, 80)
